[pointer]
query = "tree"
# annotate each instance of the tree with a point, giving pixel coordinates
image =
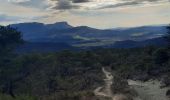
(168, 35)
(119, 85)
(160, 56)
(9, 39)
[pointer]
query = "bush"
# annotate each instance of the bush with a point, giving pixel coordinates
(166, 81)
(168, 93)
(160, 56)
(20, 97)
(119, 85)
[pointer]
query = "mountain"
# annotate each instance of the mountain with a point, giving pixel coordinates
(36, 31)
(59, 26)
(62, 32)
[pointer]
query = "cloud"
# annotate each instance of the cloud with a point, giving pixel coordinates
(18, 1)
(80, 1)
(6, 18)
(64, 4)
(101, 4)
(83, 4)
(68, 4)
(132, 3)
(41, 4)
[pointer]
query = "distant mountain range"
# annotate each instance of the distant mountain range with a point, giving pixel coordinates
(83, 36)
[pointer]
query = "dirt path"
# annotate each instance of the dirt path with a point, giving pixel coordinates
(149, 90)
(106, 89)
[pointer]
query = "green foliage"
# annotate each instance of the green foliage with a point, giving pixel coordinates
(44, 74)
(168, 28)
(160, 56)
(21, 97)
(168, 35)
(9, 38)
(168, 93)
(119, 85)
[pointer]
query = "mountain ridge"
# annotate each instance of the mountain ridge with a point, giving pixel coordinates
(62, 32)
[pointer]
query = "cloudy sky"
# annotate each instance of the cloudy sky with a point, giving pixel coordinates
(94, 13)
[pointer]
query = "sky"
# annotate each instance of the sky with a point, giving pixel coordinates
(93, 13)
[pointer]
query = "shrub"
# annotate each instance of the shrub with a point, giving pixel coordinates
(168, 93)
(119, 85)
(160, 56)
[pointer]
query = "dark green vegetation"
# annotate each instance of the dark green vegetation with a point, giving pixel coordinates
(70, 75)
(9, 38)
(120, 86)
(168, 93)
(168, 35)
